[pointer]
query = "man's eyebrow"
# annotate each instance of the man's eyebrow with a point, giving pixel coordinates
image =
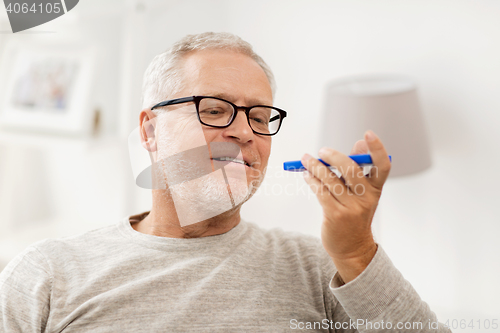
(221, 95)
(231, 99)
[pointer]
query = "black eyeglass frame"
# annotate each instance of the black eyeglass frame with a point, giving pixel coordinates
(197, 100)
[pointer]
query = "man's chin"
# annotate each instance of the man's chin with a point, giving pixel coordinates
(202, 199)
(211, 196)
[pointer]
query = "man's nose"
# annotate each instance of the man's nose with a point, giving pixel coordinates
(240, 129)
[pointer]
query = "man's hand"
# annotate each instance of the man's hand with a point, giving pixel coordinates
(348, 203)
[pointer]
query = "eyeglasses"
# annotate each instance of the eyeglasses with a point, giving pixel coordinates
(217, 112)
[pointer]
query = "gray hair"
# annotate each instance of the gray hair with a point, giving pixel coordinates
(163, 77)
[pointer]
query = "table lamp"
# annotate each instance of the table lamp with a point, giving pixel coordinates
(386, 104)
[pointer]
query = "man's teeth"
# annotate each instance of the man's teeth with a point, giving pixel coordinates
(230, 159)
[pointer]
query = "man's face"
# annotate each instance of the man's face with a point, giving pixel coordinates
(239, 79)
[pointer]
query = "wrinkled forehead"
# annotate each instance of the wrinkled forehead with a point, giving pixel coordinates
(223, 73)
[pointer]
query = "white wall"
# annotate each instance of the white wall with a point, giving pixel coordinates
(439, 227)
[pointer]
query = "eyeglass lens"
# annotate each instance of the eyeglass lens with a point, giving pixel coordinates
(216, 112)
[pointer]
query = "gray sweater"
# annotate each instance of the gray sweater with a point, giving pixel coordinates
(116, 279)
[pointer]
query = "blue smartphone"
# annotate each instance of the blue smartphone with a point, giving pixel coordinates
(361, 159)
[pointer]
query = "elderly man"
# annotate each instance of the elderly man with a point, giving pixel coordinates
(191, 263)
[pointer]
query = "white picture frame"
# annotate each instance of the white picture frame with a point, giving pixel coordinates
(47, 88)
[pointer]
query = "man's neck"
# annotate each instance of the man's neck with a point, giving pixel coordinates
(163, 221)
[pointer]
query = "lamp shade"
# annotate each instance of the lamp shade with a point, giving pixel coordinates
(386, 104)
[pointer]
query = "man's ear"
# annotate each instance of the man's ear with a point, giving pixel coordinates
(147, 120)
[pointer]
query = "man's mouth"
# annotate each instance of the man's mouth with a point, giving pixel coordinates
(231, 159)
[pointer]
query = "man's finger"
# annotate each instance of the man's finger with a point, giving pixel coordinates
(322, 173)
(351, 172)
(325, 197)
(380, 159)
(360, 147)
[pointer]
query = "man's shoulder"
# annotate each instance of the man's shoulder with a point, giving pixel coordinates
(84, 242)
(65, 253)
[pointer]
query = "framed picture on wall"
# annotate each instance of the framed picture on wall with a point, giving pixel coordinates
(47, 88)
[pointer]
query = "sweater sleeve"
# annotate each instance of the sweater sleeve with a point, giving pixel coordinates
(381, 300)
(25, 288)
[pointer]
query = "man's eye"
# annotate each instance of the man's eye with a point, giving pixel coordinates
(212, 112)
(260, 120)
